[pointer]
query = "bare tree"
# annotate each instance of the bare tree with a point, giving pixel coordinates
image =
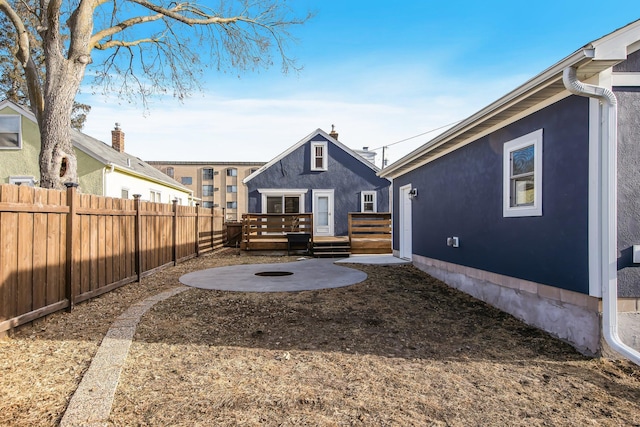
(133, 47)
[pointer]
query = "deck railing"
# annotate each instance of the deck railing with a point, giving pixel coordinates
(370, 233)
(268, 231)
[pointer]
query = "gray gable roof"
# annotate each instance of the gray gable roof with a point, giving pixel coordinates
(105, 154)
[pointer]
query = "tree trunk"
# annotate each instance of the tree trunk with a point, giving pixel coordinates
(58, 164)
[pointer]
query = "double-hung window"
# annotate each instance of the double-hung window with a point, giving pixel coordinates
(318, 156)
(522, 176)
(368, 201)
(232, 188)
(10, 132)
(155, 196)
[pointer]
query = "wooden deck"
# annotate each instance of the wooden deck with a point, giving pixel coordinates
(369, 233)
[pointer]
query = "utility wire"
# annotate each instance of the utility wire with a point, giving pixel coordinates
(416, 136)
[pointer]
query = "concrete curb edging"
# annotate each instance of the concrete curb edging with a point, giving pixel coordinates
(91, 403)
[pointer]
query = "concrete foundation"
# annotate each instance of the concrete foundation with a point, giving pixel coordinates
(569, 316)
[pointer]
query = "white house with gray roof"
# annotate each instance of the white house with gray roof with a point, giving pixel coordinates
(105, 170)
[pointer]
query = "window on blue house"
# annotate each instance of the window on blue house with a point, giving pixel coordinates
(522, 176)
(368, 201)
(319, 156)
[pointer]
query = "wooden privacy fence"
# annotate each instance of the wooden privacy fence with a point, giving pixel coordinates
(58, 248)
(370, 233)
(268, 231)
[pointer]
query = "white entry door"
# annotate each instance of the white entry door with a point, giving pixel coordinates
(322, 212)
(405, 222)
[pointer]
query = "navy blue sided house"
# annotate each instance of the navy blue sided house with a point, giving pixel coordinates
(321, 175)
(521, 205)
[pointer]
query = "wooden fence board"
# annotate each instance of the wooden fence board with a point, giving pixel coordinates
(55, 292)
(108, 242)
(25, 252)
(9, 269)
(38, 275)
(39, 284)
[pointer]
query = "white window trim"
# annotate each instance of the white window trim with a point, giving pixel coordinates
(325, 153)
(535, 139)
(158, 195)
(375, 200)
(19, 180)
(289, 192)
(19, 120)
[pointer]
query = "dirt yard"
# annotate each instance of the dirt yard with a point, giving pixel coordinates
(399, 349)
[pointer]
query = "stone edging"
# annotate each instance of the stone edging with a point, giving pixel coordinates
(91, 403)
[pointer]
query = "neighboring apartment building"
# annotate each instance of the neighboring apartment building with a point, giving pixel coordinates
(214, 183)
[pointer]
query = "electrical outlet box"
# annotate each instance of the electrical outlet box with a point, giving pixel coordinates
(636, 254)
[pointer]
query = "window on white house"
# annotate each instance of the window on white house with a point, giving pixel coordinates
(232, 188)
(232, 172)
(22, 180)
(368, 201)
(232, 205)
(318, 156)
(522, 176)
(10, 132)
(124, 193)
(154, 196)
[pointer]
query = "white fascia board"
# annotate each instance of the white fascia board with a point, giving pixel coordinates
(625, 79)
(18, 109)
(147, 178)
(618, 44)
(281, 191)
(543, 79)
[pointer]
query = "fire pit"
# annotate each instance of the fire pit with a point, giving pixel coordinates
(273, 273)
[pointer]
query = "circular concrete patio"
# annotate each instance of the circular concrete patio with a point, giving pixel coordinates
(307, 274)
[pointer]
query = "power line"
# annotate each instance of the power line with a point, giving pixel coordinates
(416, 136)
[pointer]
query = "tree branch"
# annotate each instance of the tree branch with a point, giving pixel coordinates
(122, 43)
(121, 26)
(23, 55)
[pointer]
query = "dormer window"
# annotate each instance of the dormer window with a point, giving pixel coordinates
(318, 156)
(10, 132)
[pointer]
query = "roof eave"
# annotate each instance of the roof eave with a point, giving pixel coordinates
(408, 162)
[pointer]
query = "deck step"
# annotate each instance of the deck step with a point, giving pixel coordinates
(331, 249)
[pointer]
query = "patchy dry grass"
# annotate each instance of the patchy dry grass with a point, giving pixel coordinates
(400, 348)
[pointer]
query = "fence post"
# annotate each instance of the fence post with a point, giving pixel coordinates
(350, 226)
(198, 229)
(175, 232)
(213, 228)
(138, 237)
(71, 238)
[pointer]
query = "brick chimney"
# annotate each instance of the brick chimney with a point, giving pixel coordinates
(333, 134)
(117, 139)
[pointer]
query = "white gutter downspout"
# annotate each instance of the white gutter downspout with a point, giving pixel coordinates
(608, 189)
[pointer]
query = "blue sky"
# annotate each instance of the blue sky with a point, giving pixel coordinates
(380, 71)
